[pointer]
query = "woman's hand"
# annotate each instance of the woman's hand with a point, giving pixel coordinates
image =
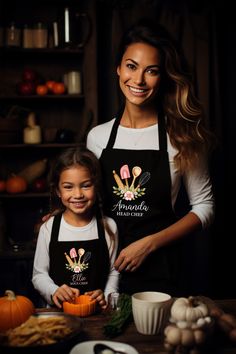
(64, 293)
(99, 296)
(132, 256)
(47, 216)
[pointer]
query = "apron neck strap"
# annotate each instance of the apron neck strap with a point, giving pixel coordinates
(112, 137)
(161, 131)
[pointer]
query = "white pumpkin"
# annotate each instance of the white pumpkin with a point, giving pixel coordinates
(188, 309)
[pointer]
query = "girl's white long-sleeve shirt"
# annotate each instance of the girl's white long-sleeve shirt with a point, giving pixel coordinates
(41, 279)
(197, 181)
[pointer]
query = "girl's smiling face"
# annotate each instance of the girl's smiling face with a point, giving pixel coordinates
(77, 190)
(139, 73)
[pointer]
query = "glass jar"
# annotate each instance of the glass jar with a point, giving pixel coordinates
(40, 35)
(13, 35)
(27, 37)
(113, 301)
(74, 82)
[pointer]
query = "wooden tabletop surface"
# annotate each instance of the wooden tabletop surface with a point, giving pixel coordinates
(154, 344)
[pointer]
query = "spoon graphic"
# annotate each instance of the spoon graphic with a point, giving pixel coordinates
(81, 252)
(136, 171)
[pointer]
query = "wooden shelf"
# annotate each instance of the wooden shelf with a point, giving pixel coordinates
(38, 97)
(34, 51)
(25, 195)
(36, 146)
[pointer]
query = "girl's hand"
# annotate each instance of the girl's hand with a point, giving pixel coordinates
(99, 296)
(64, 293)
(132, 256)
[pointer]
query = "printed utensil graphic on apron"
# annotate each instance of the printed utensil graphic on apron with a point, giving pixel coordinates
(69, 260)
(118, 180)
(143, 179)
(81, 252)
(125, 174)
(73, 254)
(86, 257)
(136, 171)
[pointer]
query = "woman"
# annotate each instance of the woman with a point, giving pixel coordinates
(157, 140)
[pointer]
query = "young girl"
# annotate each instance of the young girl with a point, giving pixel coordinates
(76, 248)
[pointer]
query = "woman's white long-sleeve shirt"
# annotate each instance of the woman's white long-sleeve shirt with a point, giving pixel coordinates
(41, 279)
(197, 181)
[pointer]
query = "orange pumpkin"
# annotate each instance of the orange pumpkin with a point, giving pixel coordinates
(15, 309)
(16, 184)
(82, 306)
(58, 88)
(41, 90)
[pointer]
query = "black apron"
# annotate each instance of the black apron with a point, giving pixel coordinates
(80, 264)
(137, 194)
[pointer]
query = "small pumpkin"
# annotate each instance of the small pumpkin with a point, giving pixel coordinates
(82, 306)
(188, 309)
(16, 184)
(15, 309)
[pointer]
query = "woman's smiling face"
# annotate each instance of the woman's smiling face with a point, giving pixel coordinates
(139, 73)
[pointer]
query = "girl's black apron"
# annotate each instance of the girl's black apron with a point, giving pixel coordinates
(137, 194)
(80, 264)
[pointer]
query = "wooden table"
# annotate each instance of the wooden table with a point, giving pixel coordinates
(153, 344)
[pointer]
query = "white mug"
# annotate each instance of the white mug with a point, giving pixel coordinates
(73, 81)
(151, 311)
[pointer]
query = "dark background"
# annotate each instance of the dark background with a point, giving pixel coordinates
(206, 31)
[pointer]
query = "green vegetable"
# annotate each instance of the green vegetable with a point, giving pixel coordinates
(120, 318)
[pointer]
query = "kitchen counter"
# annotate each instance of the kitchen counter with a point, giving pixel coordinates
(153, 344)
